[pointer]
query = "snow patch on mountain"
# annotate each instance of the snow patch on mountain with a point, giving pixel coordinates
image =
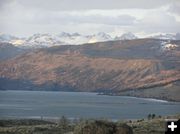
(99, 37)
(42, 40)
(126, 36)
(73, 39)
(166, 45)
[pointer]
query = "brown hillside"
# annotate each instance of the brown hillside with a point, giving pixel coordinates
(55, 69)
(88, 74)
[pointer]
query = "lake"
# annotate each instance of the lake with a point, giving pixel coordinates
(34, 104)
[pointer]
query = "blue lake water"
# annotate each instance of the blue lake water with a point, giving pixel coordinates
(32, 104)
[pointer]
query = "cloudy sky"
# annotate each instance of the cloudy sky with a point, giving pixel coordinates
(142, 17)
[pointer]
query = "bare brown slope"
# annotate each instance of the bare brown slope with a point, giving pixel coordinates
(87, 74)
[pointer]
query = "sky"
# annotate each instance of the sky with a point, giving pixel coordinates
(142, 17)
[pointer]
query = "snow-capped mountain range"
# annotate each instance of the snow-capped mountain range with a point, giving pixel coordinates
(48, 40)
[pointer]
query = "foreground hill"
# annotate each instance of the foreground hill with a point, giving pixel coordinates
(113, 67)
(155, 125)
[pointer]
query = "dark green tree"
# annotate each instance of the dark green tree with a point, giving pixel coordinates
(153, 116)
(149, 116)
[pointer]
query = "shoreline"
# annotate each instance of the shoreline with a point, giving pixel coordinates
(155, 99)
(56, 119)
(144, 98)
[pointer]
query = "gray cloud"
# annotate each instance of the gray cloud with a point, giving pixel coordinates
(66, 18)
(25, 17)
(89, 4)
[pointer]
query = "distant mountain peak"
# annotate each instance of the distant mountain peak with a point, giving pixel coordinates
(104, 35)
(64, 34)
(126, 36)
